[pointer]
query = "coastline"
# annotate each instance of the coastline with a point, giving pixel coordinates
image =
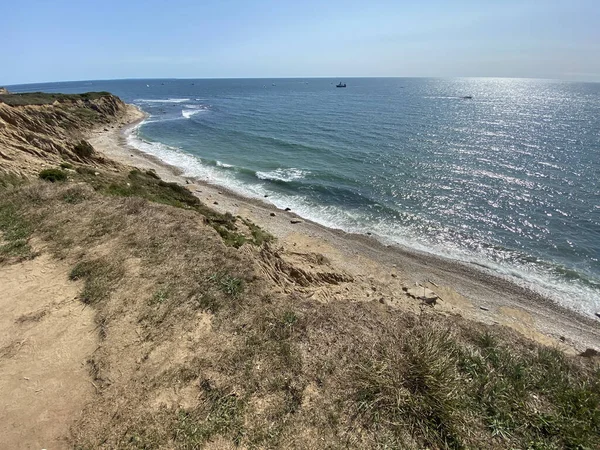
(463, 290)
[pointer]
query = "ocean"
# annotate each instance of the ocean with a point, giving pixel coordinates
(507, 180)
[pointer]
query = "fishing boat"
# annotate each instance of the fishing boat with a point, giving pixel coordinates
(340, 84)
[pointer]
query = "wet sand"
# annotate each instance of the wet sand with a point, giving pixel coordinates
(463, 289)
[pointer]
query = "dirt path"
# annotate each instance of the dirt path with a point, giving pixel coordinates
(46, 336)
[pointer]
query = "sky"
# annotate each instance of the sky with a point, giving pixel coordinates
(59, 40)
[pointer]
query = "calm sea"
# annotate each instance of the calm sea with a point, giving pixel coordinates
(507, 180)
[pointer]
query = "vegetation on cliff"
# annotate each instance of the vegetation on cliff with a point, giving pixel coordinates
(37, 129)
(201, 346)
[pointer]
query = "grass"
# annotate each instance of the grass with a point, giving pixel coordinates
(53, 175)
(83, 149)
(101, 277)
(15, 232)
(149, 186)
(201, 348)
(43, 98)
(439, 388)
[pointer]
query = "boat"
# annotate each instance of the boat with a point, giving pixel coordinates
(467, 97)
(340, 84)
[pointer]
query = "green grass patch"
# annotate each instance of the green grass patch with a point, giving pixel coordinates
(221, 414)
(66, 165)
(53, 175)
(437, 388)
(83, 149)
(101, 277)
(16, 229)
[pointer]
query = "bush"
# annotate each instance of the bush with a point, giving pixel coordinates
(83, 149)
(53, 175)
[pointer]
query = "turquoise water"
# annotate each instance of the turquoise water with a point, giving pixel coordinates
(507, 180)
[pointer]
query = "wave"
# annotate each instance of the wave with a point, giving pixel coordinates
(162, 100)
(285, 175)
(566, 287)
(190, 111)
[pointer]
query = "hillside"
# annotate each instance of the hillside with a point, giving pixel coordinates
(38, 129)
(205, 331)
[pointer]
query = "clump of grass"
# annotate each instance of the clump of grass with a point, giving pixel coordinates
(101, 277)
(83, 149)
(232, 286)
(426, 388)
(220, 415)
(16, 229)
(259, 236)
(53, 175)
(66, 165)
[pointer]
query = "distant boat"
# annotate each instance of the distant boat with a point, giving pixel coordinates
(273, 84)
(147, 85)
(468, 97)
(340, 84)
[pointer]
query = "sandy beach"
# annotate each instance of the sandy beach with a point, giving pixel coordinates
(379, 271)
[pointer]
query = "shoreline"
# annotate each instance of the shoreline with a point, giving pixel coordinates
(468, 291)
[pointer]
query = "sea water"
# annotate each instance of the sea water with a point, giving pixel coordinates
(507, 180)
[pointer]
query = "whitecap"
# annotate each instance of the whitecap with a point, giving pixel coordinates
(162, 100)
(283, 174)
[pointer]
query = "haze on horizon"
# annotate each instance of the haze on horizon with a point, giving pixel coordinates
(68, 40)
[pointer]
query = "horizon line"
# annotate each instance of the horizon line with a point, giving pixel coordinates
(296, 78)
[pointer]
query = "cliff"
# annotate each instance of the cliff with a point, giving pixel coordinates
(38, 129)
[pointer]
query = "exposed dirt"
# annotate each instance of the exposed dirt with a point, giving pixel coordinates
(46, 336)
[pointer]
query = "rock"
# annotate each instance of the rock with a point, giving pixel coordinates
(106, 129)
(131, 156)
(562, 339)
(187, 181)
(288, 209)
(272, 214)
(96, 173)
(424, 294)
(294, 221)
(265, 195)
(484, 308)
(381, 300)
(215, 203)
(394, 275)
(369, 233)
(220, 193)
(4, 91)
(590, 353)
(598, 315)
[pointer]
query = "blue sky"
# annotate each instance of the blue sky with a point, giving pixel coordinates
(78, 40)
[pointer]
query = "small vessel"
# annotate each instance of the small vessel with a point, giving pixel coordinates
(467, 97)
(340, 84)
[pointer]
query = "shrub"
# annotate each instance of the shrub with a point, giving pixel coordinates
(83, 149)
(53, 175)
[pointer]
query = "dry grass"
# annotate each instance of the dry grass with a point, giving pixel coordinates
(198, 351)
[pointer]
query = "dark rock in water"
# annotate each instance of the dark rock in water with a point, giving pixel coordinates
(187, 181)
(590, 353)
(272, 214)
(288, 209)
(369, 233)
(295, 221)
(598, 315)
(266, 196)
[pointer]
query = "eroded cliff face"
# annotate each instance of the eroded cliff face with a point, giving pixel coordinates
(33, 136)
